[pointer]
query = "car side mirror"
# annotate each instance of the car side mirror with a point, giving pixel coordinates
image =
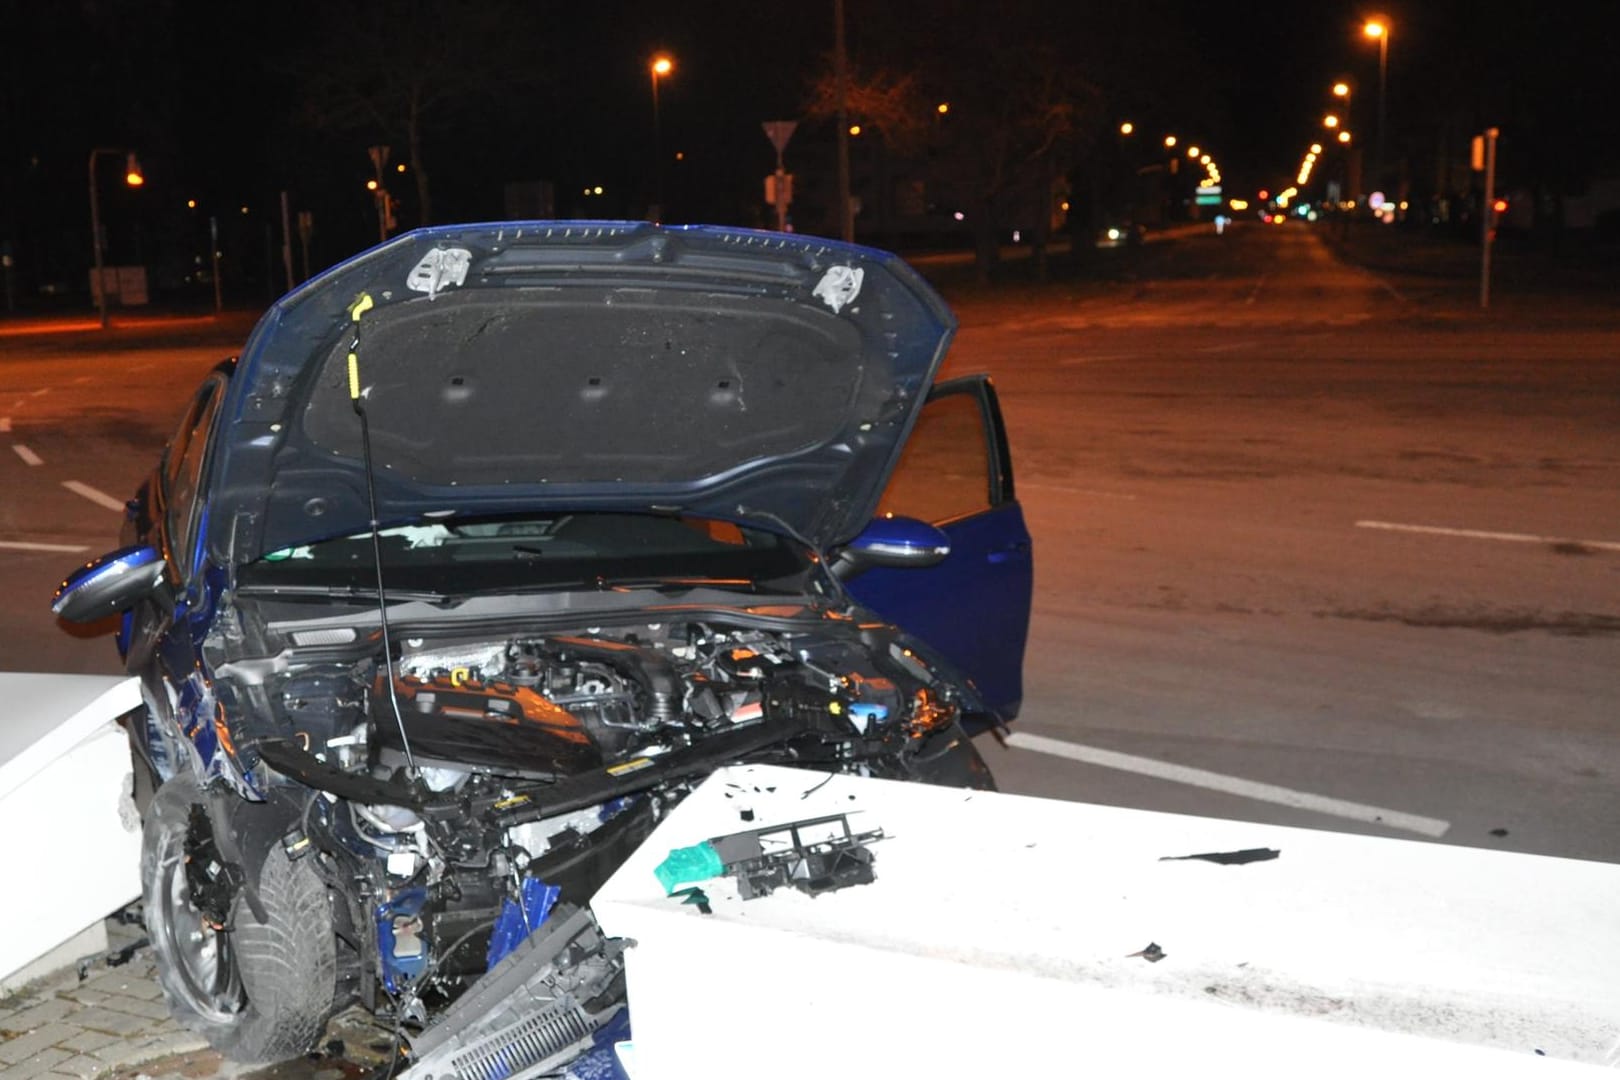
(115, 582)
(892, 541)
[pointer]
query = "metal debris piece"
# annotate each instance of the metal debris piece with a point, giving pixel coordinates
(1152, 954)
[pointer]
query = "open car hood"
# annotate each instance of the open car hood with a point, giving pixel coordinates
(579, 365)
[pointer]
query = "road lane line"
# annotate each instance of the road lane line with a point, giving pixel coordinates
(1230, 785)
(28, 456)
(1479, 534)
(21, 545)
(1095, 358)
(41, 392)
(95, 495)
(1232, 347)
(1066, 490)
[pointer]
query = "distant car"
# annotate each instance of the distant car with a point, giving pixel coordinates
(494, 541)
(1121, 234)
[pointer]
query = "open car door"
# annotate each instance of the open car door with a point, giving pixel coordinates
(973, 606)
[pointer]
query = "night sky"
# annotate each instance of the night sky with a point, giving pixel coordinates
(221, 100)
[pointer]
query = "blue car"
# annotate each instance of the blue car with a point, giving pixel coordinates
(490, 545)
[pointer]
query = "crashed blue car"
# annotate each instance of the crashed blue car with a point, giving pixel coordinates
(491, 544)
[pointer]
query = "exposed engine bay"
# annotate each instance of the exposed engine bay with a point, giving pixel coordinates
(451, 798)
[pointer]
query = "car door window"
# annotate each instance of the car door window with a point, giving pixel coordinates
(945, 471)
(183, 468)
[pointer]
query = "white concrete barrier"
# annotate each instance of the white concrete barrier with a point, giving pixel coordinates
(1005, 934)
(68, 834)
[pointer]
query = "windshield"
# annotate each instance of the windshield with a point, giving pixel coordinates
(549, 551)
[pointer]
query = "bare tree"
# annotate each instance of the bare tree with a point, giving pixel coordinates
(388, 72)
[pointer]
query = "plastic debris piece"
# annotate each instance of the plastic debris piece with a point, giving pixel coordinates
(696, 897)
(1228, 858)
(700, 862)
(1152, 954)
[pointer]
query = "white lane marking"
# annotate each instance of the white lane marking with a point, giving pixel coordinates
(1232, 347)
(5, 423)
(1389, 288)
(95, 495)
(28, 456)
(41, 392)
(1230, 785)
(21, 545)
(1065, 490)
(1479, 534)
(82, 379)
(1255, 292)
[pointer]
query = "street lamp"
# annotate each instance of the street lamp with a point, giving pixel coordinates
(1378, 30)
(1127, 128)
(1330, 121)
(660, 67)
(1169, 142)
(134, 178)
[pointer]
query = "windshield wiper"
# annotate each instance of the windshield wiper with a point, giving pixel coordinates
(678, 584)
(345, 592)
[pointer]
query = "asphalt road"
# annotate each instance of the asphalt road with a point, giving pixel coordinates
(1312, 546)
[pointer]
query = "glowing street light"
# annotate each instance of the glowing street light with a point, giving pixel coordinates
(1127, 128)
(1193, 151)
(942, 108)
(1330, 121)
(1341, 90)
(659, 67)
(134, 178)
(1377, 29)
(1344, 137)
(1316, 148)
(1169, 142)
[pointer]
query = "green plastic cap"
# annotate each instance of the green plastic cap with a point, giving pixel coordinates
(700, 862)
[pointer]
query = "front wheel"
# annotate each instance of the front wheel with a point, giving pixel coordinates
(258, 992)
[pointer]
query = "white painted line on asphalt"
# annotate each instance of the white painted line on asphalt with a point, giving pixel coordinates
(28, 456)
(22, 545)
(1233, 347)
(1230, 785)
(95, 495)
(82, 379)
(1065, 490)
(41, 392)
(5, 423)
(1479, 534)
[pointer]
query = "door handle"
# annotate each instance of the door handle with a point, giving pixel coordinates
(1010, 552)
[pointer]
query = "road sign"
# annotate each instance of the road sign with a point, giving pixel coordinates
(779, 132)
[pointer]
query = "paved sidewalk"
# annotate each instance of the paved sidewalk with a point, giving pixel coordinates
(62, 1026)
(113, 1024)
